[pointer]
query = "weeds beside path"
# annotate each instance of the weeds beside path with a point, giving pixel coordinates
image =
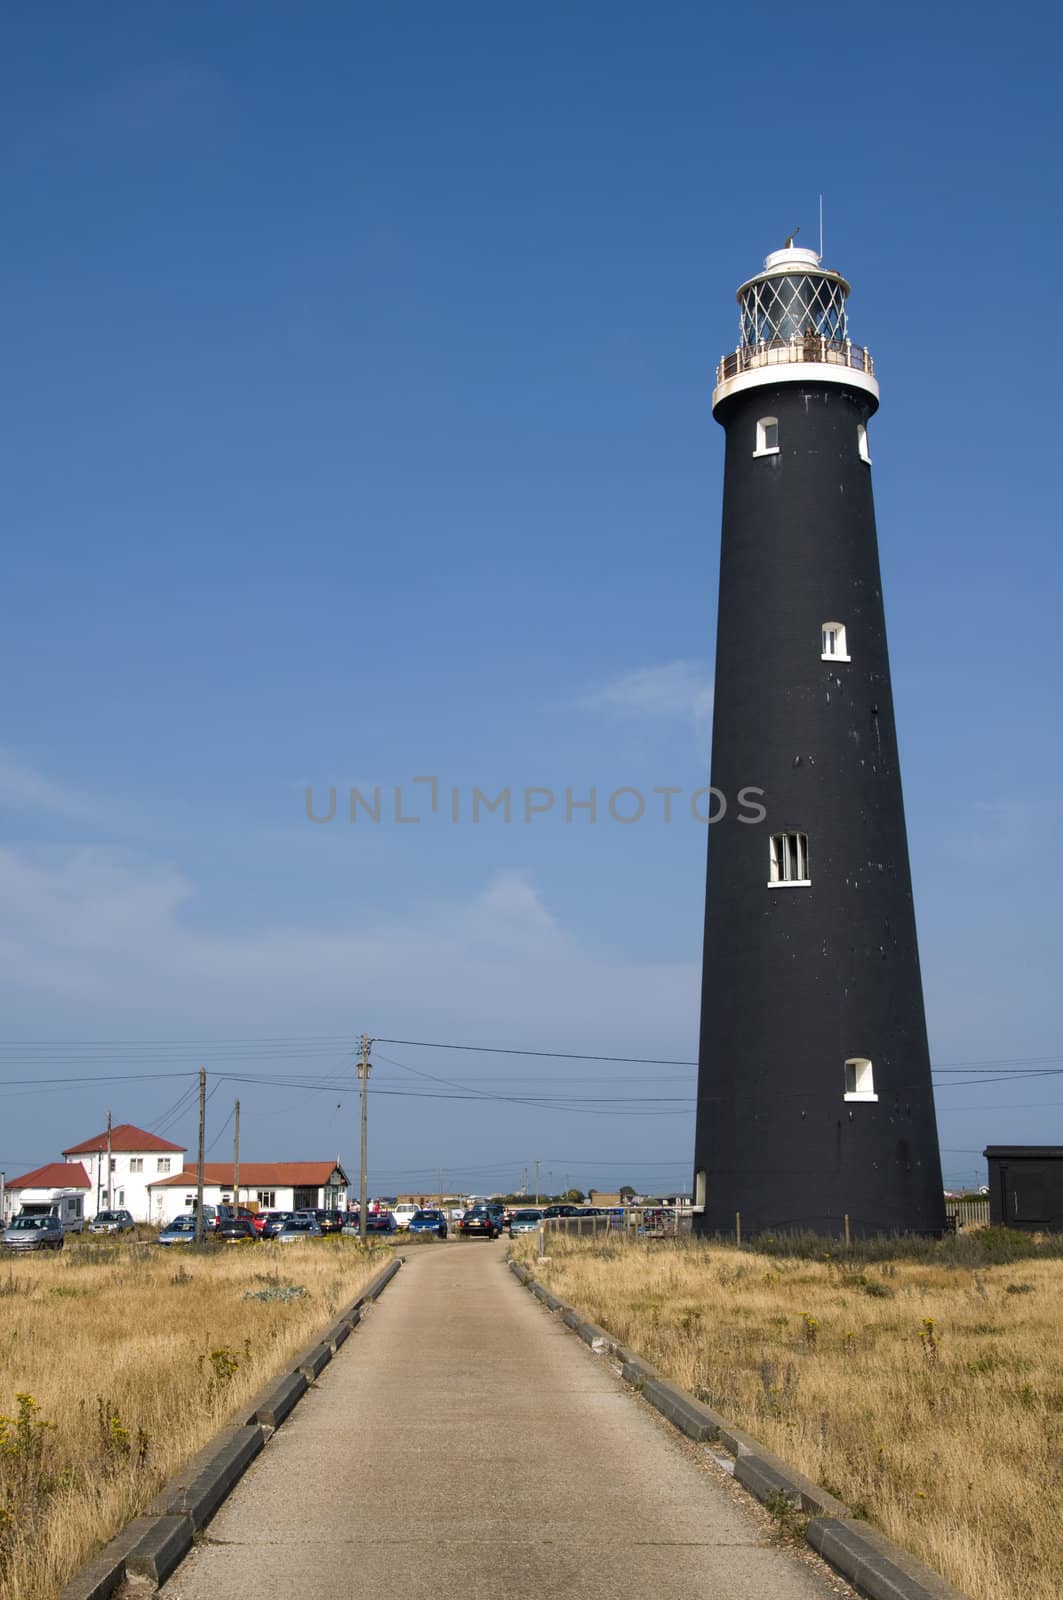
(926, 1394)
(117, 1364)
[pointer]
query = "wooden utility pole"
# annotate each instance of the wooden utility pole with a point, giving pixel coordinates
(108, 1161)
(364, 1070)
(236, 1160)
(538, 1164)
(202, 1143)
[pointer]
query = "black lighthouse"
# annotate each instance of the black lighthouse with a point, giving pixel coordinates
(814, 1092)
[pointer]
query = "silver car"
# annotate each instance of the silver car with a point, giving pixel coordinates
(34, 1233)
(182, 1230)
(296, 1228)
(112, 1222)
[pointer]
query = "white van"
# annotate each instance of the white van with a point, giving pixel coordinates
(403, 1213)
(67, 1206)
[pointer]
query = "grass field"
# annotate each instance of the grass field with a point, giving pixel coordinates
(117, 1363)
(928, 1394)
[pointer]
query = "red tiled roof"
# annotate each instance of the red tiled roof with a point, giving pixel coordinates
(123, 1138)
(56, 1175)
(254, 1175)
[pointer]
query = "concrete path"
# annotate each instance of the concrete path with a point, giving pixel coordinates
(463, 1443)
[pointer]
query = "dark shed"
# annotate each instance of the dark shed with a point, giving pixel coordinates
(1026, 1186)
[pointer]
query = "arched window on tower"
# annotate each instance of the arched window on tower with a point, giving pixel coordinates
(788, 862)
(859, 1079)
(861, 443)
(767, 436)
(834, 646)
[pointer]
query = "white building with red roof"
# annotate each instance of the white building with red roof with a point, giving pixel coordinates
(137, 1160)
(264, 1186)
(60, 1184)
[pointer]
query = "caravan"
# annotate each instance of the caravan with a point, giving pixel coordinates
(67, 1206)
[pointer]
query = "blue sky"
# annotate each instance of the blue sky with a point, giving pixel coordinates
(359, 365)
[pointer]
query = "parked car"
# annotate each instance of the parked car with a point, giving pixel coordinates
(375, 1222)
(210, 1217)
(404, 1214)
(234, 1230)
(480, 1223)
(34, 1233)
(524, 1221)
(327, 1221)
(295, 1229)
(112, 1222)
(429, 1221)
(227, 1213)
(381, 1222)
(182, 1230)
(267, 1222)
(561, 1211)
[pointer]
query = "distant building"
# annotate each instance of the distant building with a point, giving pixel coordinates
(58, 1183)
(264, 1186)
(137, 1159)
(1026, 1186)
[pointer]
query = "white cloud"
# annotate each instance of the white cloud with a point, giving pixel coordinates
(91, 934)
(673, 689)
(26, 790)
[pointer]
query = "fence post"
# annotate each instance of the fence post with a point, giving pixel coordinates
(738, 1229)
(848, 1241)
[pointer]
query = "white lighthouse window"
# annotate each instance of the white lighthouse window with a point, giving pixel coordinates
(788, 862)
(861, 443)
(767, 437)
(859, 1079)
(834, 646)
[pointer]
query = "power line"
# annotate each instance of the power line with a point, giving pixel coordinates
(552, 1055)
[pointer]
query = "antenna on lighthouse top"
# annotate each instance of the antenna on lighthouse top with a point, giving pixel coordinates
(821, 227)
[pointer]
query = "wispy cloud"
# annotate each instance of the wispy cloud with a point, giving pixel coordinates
(672, 689)
(124, 937)
(24, 789)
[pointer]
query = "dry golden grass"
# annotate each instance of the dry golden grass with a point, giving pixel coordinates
(929, 1398)
(133, 1357)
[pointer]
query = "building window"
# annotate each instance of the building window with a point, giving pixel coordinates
(859, 1079)
(119, 1198)
(789, 861)
(136, 1163)
(267, 1198)
(162, 1164)
(190, 1199)
(113, 1163)
(834, 644)
(767, 437)
(861, 443)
